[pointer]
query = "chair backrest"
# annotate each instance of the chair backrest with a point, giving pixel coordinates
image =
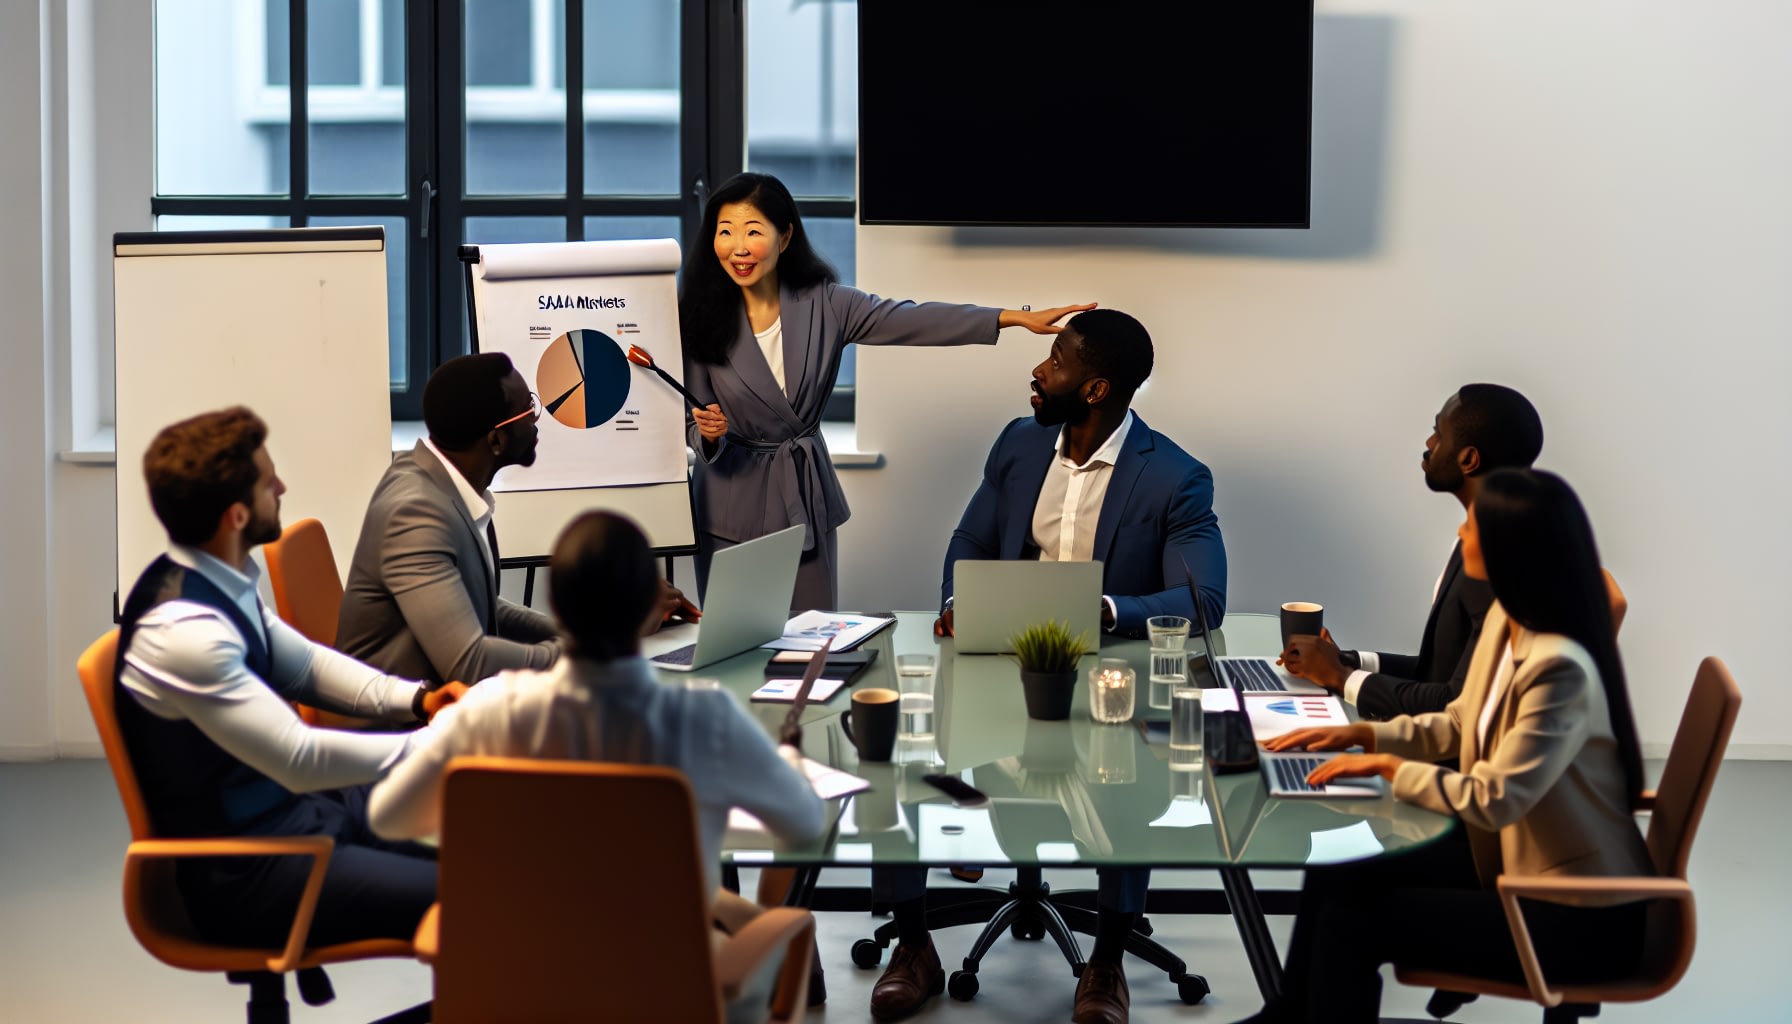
(302, 574)
(1692, 764)
(1620, 603)
(571, 891)
(98, 669)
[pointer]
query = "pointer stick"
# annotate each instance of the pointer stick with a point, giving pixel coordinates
(639, 356)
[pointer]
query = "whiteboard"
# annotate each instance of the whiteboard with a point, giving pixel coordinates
(289, 322)
(612, 434)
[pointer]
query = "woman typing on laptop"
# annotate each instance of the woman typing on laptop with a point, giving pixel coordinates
(1550, 774)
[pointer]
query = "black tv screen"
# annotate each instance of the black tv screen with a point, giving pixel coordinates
(1119, 112)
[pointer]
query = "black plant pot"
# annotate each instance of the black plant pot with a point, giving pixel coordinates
(1048, 694)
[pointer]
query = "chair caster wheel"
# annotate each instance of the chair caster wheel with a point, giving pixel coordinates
(1192, 988)
(962, 986)
(866, 953)
(1027, 931)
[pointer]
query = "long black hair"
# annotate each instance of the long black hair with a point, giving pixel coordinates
(1544, 569)
(710, 303)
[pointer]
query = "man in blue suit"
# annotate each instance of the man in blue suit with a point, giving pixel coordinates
(1084, 479)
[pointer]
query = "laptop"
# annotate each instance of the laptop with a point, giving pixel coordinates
(1249, 674)
(994, 600)
(747, 604)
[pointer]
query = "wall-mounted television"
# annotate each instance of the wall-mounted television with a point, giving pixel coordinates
(1099, 112)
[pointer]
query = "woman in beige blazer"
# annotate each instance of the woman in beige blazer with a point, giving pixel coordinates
(1549, 776)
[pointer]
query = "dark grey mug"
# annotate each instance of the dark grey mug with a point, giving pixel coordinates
(870, 723)
(1301, 618)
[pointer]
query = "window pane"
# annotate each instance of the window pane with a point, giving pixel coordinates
(832, 238)
(631, 97)
(498, 42)
(398, 314)
(219, 129)
(608, 229)
(803, 95)
(391, 42)
(277, 40)
(184, 222)
(357, 135)
(493, 230)
(333, 42)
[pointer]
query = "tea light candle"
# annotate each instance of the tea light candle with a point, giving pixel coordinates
(1111, 699)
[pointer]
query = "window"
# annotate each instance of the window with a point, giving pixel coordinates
(453, 123)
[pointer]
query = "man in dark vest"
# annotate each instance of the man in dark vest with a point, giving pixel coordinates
(1481, 428)
(205, 674)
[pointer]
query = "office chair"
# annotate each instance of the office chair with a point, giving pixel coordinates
(603, 911)
(308, 596)
(153, 906)
(1675, 811)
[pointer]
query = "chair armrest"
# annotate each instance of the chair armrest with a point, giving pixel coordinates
(428, 939)
(318, 848)
(1572, 890)
(1645, 804)
(780, 929)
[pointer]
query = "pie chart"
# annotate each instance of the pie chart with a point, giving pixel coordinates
(583, 379)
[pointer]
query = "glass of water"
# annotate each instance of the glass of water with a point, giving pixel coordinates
(1185, 729)
(1169, 662)
(914, 681)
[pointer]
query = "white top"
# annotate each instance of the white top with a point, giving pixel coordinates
(480, 505)
(584, 710)
(1502, 678)
(1070, 500)
(186, 662)
(771, 342)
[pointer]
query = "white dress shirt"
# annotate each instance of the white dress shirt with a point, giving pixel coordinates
(1069, 505)
(187, 662)
(771, 342)
(480, 505)
(584, 710)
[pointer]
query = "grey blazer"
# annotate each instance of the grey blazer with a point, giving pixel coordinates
(1546, 794)
(420, 601)
(772, 468)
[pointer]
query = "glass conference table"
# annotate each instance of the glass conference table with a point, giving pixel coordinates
(1062, 794)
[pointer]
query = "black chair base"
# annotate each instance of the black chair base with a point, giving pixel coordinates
(1443, 1003)
(1028, 912)
(268, 1005)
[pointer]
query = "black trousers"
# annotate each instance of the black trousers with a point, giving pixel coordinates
(373, 888)
(1427, 909)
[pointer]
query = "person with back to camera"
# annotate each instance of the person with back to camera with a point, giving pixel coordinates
(765, 322)
(1550, 776)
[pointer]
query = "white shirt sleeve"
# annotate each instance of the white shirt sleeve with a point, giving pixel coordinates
(186, 662)
(316, 674)
(1368, 661)
(1353, 685)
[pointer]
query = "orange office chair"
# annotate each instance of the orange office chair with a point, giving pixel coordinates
(308, 595)
(1676, 808)
(158, 917)
(1615, 594)
(602, 912)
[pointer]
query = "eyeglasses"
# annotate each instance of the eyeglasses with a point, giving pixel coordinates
(531, 414)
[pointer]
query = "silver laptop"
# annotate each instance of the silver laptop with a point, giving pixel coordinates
(1285, 774)
(994, 600)
(1251, 675)
(747, 604)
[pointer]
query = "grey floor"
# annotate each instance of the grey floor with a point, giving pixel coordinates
(65, 954)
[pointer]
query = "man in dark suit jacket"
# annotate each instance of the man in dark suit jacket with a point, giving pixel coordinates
(1083, 479)
(1482, 427)
(422, 593)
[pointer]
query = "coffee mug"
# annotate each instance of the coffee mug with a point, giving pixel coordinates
(1301, 618)
(871, 723)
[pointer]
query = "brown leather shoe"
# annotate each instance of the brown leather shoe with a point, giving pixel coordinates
(913, 977)
(1101, 995)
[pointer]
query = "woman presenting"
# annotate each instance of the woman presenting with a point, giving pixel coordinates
(765, 322)
(1550, 774)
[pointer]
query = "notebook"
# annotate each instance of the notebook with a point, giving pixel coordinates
(994, 600)
(748, 600)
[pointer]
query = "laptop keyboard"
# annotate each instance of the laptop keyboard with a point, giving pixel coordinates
(682, 656)
(1291, 773)
(1253, 674)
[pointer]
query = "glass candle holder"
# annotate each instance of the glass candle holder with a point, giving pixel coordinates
(1111, 690)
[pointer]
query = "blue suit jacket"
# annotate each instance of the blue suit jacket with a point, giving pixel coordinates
(1158, 512)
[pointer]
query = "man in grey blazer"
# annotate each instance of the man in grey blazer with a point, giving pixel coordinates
(422, 594)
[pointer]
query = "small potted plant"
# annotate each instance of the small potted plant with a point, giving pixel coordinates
(1048, 655)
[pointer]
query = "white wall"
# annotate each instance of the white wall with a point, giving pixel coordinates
(1585, 201)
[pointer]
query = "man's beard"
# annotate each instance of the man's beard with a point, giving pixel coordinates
(263, 531)
(1059, 409)
(1443, 475)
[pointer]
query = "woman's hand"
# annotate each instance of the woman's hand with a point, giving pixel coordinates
(1355, 766)
(1328, 737)
(710, 422)
(1040, 321)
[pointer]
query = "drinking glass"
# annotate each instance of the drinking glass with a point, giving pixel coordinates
(915, 675)
(1169, 662)
(1185, 729)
